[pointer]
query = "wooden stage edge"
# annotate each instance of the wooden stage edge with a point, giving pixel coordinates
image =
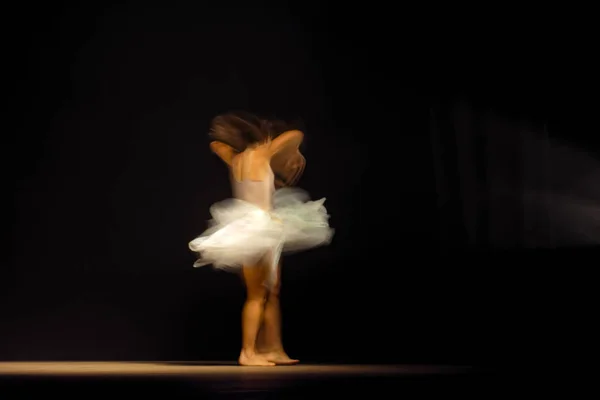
(216, 369)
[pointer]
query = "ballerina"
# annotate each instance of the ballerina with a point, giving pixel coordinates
(249, 232)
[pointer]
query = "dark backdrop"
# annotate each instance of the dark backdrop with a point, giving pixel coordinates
(447, 167)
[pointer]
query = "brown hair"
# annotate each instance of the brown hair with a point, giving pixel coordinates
(241, 129)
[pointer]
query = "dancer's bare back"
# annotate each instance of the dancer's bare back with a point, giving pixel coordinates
(254, 163)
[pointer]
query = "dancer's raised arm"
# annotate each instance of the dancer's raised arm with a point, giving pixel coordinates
(286, 160)
(224, 151)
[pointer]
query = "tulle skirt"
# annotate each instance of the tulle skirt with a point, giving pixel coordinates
(241, 233)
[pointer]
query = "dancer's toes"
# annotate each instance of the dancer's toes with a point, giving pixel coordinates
(256, 360)
(279, 358)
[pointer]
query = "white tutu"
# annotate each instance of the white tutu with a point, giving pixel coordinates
(241, 233)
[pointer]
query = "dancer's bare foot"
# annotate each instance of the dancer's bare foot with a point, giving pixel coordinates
(255, 360)
(279, 358)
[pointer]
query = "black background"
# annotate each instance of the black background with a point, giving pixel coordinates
(426, 134)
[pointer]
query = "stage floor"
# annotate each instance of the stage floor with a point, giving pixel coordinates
(227, 380)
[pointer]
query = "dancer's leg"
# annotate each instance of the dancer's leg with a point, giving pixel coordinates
(252, 315)
(269, 342)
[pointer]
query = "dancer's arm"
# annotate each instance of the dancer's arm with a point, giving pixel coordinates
(288, 172)
(286, 160)
(286, 142)
(225, 152)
